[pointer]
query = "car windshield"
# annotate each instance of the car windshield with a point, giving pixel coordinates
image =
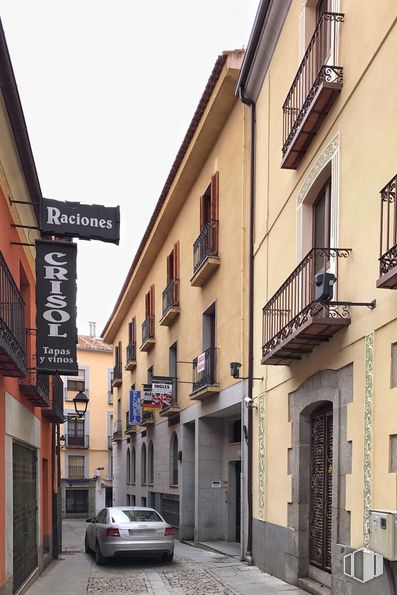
(135, 516)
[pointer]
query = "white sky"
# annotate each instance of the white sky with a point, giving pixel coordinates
(108, 89)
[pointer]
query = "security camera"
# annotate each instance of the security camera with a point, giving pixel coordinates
(249, 403)
(235, 369)
(248, 400)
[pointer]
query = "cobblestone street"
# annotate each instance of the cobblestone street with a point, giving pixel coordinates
(194, 571)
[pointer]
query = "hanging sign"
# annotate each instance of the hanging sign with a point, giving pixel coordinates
(147, 397)
(56, 334)
(162, 391)
(135, 407)
(89, 222)
(201, 362)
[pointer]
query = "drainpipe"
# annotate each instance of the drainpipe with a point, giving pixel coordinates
(251, 104)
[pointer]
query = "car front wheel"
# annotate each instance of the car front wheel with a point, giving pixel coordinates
(99, 559)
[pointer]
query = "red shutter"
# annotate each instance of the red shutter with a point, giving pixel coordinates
(175, 262)
(215, 196)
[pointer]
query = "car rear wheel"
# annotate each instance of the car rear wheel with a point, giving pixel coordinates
(168, 557)
(87, 547)
(99, 559)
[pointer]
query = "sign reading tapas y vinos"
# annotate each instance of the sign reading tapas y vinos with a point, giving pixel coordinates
(72, 219)
(56, 334)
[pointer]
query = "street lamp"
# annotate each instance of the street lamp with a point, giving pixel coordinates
(80, 404)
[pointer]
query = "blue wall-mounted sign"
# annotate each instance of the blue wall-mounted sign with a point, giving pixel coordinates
(135, 407)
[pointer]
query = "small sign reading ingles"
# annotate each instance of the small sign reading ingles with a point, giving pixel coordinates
(72, 219)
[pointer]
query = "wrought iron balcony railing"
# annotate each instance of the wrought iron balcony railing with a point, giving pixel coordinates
(117, 430)
(207, 375)
(12, 325)
(148, 339)
(76, 439)
(206, 244)
(36, 387)
(313, 91)
(130, 355)
(388, 237)
(76, 472)
(147, 418)
(171, 295)
(54, 413)
(117, 374)
(293, 321)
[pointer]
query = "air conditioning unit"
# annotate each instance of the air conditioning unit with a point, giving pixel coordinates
(324, 287)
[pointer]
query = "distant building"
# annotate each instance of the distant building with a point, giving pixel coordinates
(86, 453)
(181, 314)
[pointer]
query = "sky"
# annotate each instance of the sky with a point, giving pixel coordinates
(108, 89)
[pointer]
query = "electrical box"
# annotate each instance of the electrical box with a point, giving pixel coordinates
(383, 533)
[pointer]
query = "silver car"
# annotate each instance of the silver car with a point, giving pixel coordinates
(129, 530)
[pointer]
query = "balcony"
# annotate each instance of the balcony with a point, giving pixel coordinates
(117, 375)
(315, 89)
(131, 356)
(117, 431)
(76, 440)
(171, 307)
(294, 323)
(170, 410)
(205, 254)
(12, 325)
(388, 237)
(148, 339)
(131, 429)
(54, 413)
(36, 388)
(204, 375)
(147, 418)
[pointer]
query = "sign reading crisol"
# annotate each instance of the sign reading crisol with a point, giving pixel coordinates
(72, 219)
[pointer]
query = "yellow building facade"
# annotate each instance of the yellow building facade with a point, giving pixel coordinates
(86, 453)
(181, 315)
(317, 77)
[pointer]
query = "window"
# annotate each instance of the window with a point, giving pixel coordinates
(172, 297)
(151, 463)
(131, 347)
(75, 384)
(174, 460)
(235, 431)
(209, 216)
(322, 223)
(133, 465)
(148, 324)
(75, 435)
(143, 464)
(128, 466)
(76, 467)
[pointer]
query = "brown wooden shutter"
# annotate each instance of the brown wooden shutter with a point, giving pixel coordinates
(215, 197)
(170, 267)
(133, 329)
(202, 213)
(151, 300)
(175, 263)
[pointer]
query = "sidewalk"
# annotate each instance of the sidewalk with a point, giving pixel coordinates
(195, 571)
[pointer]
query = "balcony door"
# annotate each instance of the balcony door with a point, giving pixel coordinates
(322, 225)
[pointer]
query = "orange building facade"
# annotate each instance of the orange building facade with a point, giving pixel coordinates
(30, 404)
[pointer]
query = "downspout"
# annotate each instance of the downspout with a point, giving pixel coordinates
(251, 104)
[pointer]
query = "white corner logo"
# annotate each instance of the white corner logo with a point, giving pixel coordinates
(363, 565)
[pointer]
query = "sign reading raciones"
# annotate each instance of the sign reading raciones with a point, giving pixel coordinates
(72, 219)
(56, 307)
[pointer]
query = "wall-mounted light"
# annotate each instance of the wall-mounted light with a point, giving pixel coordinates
(80, 404)
(249, 403)
(235, 371)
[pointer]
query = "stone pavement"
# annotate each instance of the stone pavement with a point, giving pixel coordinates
(194, 571)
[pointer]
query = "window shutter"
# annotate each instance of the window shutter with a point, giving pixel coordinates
(215, 196)
(170, 267)
(147, 304)
(133, 329)
(129, 332)
(176, 272)
(151, 300)
(120, 352)
(202, 212)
